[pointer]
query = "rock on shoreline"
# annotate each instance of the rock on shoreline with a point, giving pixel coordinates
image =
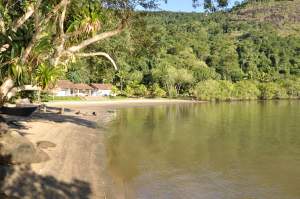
(16, 149)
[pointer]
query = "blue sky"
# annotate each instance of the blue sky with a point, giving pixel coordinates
(183, 5)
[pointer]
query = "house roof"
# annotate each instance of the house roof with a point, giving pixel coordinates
(64, 84)
(82, 87)
(102, 86)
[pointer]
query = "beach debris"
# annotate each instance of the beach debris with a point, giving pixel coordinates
(45, 144)
(16, 149)
(94, 113)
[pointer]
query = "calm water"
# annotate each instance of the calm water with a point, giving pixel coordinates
(245, 150)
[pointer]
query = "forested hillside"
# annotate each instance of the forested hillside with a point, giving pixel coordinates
(250, 52)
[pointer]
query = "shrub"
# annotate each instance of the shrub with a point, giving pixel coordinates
(140, 90)
(272, 90)
(45, 97)
(207, 90)
(156, 91)
(246, 90)
(129, 91)
(172, 92)
(225, 90)
(115, 91)
(292, 87)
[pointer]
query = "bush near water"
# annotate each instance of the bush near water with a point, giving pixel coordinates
(219, 90)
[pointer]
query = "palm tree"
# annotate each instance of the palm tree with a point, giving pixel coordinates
(46, 76)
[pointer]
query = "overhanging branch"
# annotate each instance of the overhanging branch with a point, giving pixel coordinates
(39, 27)
(96, 38)
(61, 36)
(98, 54)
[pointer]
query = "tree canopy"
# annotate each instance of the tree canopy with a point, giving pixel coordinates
(174, 51)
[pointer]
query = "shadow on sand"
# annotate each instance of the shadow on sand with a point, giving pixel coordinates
(17, 122)
(20, 182)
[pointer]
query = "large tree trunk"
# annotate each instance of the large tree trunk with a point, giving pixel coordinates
(6, 91)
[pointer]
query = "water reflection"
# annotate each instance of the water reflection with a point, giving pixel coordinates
(228, 150)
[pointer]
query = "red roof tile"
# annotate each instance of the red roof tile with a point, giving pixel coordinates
(102, 86)
(65, 84)
(82, 87)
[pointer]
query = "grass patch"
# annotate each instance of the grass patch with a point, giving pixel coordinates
(67, 98)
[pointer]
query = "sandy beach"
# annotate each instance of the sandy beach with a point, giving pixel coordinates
(76, 168)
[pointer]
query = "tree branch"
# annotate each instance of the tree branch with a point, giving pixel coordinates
(21, 20)
(39, 27)
(97, 38)
(5, 88)
(35, 36)
(2, 24)
(61, 35)
(3, 48)
(98, 54)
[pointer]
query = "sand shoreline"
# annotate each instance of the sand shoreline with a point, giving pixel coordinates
(118, 102)
(76, 167)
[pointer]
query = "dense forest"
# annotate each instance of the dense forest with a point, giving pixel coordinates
(249, 52)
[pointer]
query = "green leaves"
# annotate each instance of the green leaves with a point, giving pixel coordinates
(47, 75)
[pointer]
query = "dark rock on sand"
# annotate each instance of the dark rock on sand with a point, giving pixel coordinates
(45, 144)
(19, 150)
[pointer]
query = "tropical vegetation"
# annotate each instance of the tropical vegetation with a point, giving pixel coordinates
(251, 51)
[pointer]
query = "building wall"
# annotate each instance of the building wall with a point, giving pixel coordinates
(76, 92)
(63, 92)
(101, 93)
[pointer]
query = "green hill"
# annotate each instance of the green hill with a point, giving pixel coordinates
(177, 52)
(282, 14)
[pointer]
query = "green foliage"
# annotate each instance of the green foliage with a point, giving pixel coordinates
(78, 73)
(136, 90)
(140, 90)
(246, 90)
(172, 92)
(31, 95)
(45, 97)
(226, 89)
(181, 50)
(47, 75)
(207, 90)
(129, 91)
(292, 87)
(212, 90)
(115, 91)
(239, 54)
(66, 98)
(272, 90)
(156, 91)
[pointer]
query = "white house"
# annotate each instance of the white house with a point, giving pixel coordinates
(102, 90)
(82, 90)
(64, 88)
(67, 88)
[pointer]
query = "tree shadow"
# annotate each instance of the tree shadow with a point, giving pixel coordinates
(20, 181)
(17, 122)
